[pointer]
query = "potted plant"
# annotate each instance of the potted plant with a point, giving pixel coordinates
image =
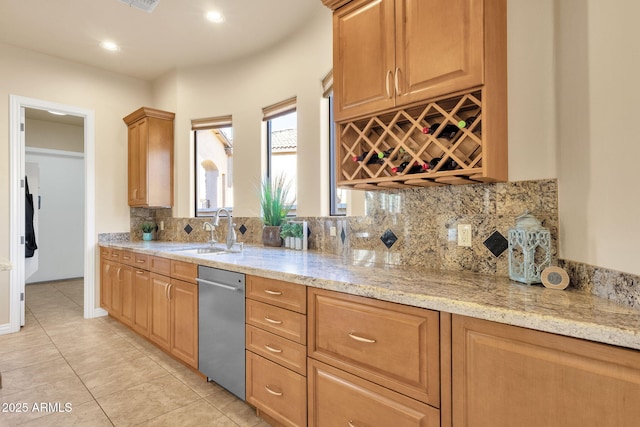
(286, 235)
(275, 202)
(298, 234)
(148, 227)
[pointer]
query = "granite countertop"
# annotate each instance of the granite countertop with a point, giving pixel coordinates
(570, 312)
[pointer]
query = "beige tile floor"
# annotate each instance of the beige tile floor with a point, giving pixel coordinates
(98, 372)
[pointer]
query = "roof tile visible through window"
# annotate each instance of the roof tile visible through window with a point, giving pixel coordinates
(283, 141)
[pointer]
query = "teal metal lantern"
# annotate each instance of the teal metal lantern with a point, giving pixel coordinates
(529, 249)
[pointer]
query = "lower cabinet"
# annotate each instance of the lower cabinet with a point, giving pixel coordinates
(509, 376)
(337, 398)
(153, 303)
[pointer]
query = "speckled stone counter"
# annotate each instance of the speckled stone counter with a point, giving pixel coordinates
(572, 312)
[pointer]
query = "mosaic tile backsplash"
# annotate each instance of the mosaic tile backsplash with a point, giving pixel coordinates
(418, 227)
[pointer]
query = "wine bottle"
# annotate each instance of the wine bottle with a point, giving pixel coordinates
(467, 122)
(414, 168)
(448, 132)
(373, 160)
(387, 153)
(448, 164)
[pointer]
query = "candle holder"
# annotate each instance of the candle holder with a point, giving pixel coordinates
(529, 249)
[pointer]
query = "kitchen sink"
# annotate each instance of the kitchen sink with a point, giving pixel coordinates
(201, 251)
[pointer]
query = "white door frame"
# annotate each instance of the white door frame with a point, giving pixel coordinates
(17, 215)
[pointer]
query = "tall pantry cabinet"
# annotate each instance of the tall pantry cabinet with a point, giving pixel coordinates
(150, 152)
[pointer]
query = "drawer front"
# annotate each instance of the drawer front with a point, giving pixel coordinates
(160, 265)
(279, 321)
(337, 398)
(283, 294)
(279, 392)
(140, 261)
(126, 257)
(115, 255)
(287, 353)
(184, 271)
(105, 253)
(393, 345)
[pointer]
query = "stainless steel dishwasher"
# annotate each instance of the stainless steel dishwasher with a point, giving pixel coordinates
(221, 328)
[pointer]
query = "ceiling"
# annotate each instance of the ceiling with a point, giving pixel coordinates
(174, 35)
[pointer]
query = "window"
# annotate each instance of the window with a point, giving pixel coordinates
(337, 196)
(213, 164)
(282, 141)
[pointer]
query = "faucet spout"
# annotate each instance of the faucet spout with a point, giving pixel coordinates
(231, 233)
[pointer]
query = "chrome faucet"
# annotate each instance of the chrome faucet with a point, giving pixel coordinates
(231, 233)
(212, 228)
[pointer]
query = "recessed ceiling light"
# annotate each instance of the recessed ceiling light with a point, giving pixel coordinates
(109, 45)
(56, 113)
(215, 16)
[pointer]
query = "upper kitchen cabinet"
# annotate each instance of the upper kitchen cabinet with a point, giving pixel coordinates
(394, 52)
(150, 157)
(420, 92)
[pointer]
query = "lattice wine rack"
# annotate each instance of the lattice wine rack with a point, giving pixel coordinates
(434, 144)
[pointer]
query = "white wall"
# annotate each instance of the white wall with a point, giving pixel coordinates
(61, 215)
(598, 69)
(242, 89)
(111, 96)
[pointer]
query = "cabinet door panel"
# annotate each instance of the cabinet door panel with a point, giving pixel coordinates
(105, 283)
(138, 135)
(126, 290)
(363, 58)
(439, 47)
(141, 298)
(184, 321)
(340, 399)
(505, 376)
(160, 329)
(116, 291)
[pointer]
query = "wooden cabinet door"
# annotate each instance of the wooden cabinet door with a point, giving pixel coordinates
(106, 268)
(364, 59)
(337, 398)
(439, 47)
(509, 376)
(138, 136)
(160, 328)
(126, 291)
(141, 302)
(184, 321)
(116, 291)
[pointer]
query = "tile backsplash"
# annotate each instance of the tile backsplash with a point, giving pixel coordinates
(418, 227)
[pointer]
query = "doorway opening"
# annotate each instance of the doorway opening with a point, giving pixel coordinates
(18, 105)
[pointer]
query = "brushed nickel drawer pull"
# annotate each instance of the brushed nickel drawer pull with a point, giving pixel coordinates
(272, 349)
(270, 292)
(361, 339)
(387, 83)
(140, 261)
(276, 322)
(351, 424)
(275, 393)
(139, 271)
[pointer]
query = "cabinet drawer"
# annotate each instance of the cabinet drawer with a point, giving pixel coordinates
(279, 321)
(126, 257)
(278, 392)
(140, 261)
(184, 271)
(390, 344)
(337, 398)
(105, 253)
(283, 294)
(115, 255)
(287, 353)
(160, 265)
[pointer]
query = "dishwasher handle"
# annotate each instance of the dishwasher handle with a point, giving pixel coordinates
(218, 285)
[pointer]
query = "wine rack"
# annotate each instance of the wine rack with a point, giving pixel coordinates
(444, 141)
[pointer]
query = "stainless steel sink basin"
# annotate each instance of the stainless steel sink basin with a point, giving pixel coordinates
(201, 251)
